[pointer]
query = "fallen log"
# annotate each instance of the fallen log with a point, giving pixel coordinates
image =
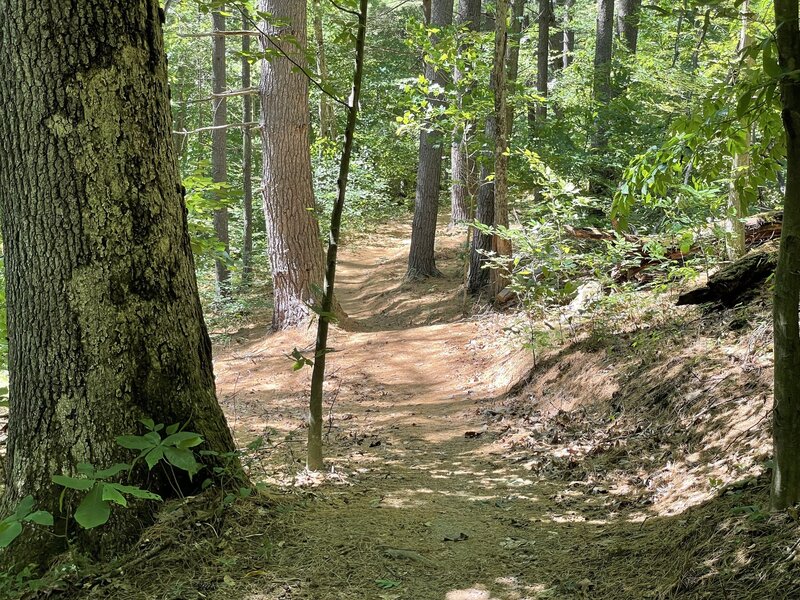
(737, 281)
(759, 229)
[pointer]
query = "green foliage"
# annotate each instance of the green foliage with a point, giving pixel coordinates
(94, 509)
(175, 449)
(11, 527)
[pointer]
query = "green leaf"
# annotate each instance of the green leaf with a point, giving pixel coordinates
(183, 459)
(85, 469)
(134, 442)
(73, 483)
(134, 491)
(40, 517)
(155, 455)
(111, 494)
(744, 104)
(183, 439)
(149, 423)
(9, 532)
(771, 66)
(24, 507)
(173, 428)
(112, 471)
(93, 511)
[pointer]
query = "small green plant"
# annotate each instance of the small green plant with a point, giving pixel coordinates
(11, 527)
(175, 448)
(95, 507)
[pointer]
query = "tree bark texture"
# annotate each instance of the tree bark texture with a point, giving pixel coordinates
(786, 412)
(461, 164)
(104, 320)
(628, 13)
(421, 259)
(219, 143)
(247, 162)
(294, 245)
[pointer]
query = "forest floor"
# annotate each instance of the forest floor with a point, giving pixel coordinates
(625, 465)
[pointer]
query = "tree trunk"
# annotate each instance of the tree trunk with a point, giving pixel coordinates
(543, 57)
(219, 155)
(469, 16)
(481, 243)
(421, 260)
(247, 161)
(602, 94)
(104, 321)
(478, 277)
(627, 23)
(294, 245)
(569, 34)
(327, 117)
(786, 413)
(500, 246)
(512, 56)
(315, 457)
(735, 242)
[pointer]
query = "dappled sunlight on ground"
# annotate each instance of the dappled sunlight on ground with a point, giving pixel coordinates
(439, 486)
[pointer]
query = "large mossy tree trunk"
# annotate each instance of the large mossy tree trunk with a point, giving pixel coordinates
(293, 240)
(786, 413)
(104, 321)
(421, 258)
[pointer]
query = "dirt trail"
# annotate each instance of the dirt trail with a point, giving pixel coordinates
(414, 508)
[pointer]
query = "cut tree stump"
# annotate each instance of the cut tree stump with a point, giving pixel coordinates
(735, 282)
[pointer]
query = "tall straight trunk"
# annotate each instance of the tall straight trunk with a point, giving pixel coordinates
(602, 91)
(293, 239)
(104, 320)
(219, 141)
(735, 241)
(569, 34)
(543, 57)
(786, 413)
(315, 458)
(461, 165)
(627, 23)
(600, 182)
(421, 259)
(500, 246)
(327, 117)
(247, 161)
(512, 55)
(482, 243)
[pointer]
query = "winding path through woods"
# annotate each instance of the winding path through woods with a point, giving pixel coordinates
(416, 507)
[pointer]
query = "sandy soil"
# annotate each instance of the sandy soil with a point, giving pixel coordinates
(422, 501)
